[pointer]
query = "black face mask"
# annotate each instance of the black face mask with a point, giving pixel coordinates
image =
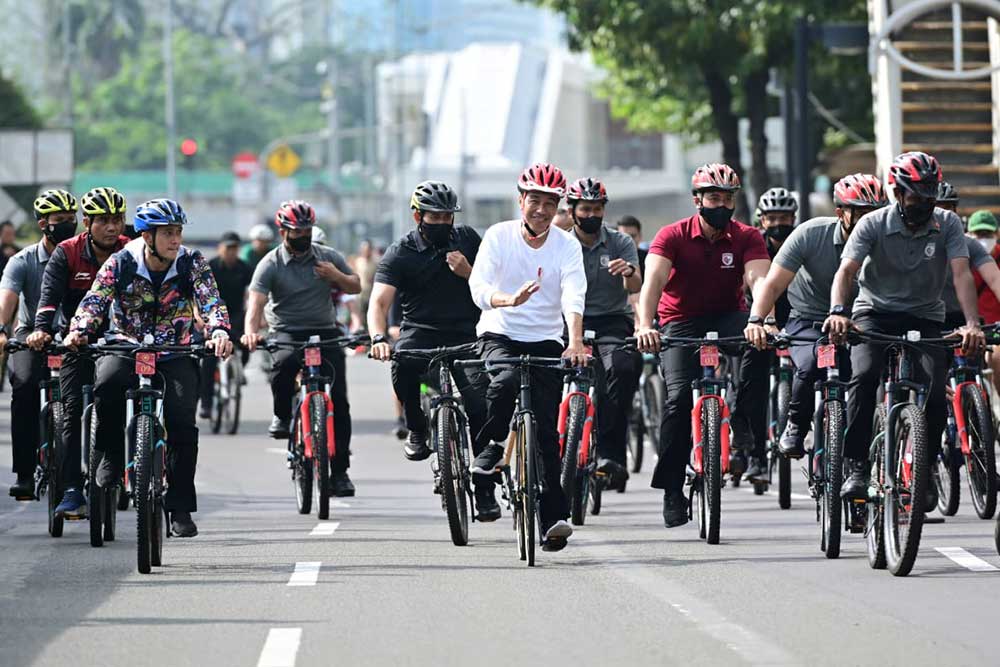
(300, 244)
(717, 218)
(590, 225)
(438, 236)
(59, 233)
(917, 215)
(778, 233)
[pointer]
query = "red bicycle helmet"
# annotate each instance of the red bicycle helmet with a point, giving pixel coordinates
(586, 189)
(862, 190)
(295, 214)
(715, 176)
(542, 177)
(916, 172)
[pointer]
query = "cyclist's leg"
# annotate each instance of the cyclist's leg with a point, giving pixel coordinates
(76, 371)
(341, 409)
(26, 372)
(749, 418)
(621, 369)
(406, 380)
(206, 383)
(501, 393)
(932, 369)
(679, 367)
(866, 371)
(112, 378)
(802, 404)
(180, 398)
(285, 366)
(472, 384)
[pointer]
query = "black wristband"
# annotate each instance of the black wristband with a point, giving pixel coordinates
(770, 321)
(755, 319)
(379, 338)
(838, 310)
(633, 268)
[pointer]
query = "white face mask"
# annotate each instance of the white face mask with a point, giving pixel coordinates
(988, 244)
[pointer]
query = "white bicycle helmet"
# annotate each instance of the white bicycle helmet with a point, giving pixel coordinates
(318, 236)
(262, 233)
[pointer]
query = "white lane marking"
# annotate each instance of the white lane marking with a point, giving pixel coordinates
(305, 574)
(769, 492)
(965, 559)
(324, 529)
(338, 503)
(277, 450)
(280, 648)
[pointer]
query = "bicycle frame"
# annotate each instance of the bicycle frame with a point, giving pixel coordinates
(579, 383)
(961, 374)
(900, 372)
(709, 387)
(781, 369)
(50, 392)
(315, 383)
(144, 400)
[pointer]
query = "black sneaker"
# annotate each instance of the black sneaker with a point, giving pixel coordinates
(279, 428)
(675, 509)
(737, 463)
(181, 525)
(557, 536)
(931, 499)
(757, 472)
(615, 473)
(486, 462)
(488, 510)
(792, 443)
(23, 488)
(856, 484)
(205, 412)
(399, 430)
(416, 448)
(341, 485)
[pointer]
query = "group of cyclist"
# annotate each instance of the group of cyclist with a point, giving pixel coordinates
(526, 287)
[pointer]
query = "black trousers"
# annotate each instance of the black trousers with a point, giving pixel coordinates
(867, 361)
(27, 370)
(680, 367)
(803, 404)
(178, 379)
(288, 363)
(616, 380)
(407, 375)
(76, 372)
(546, 391)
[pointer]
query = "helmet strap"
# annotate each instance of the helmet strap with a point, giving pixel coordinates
(152, 247)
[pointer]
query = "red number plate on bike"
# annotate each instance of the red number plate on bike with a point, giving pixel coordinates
(145, 363)
(709, 355)
(54, 361)
(783, 352)
(313, 356)
(826, 356)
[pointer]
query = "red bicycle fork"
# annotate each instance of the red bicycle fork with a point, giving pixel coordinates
(305, 419)
(697, 451)
(960, 423)
(583, 453)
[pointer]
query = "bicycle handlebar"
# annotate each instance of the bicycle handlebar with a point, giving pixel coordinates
(525, 360)
(448, 352)
(272, 345)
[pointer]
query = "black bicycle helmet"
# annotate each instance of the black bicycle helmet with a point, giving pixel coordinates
(434, 196)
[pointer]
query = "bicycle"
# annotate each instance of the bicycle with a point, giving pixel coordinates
(449, 437)
(969, 438)
(520, 489)
(228, 395)
(312, 443)
(779, 397)
(898, 457)
(647, 406)
(580, 479)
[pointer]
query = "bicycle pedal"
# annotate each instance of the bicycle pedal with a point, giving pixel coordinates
(74, 517)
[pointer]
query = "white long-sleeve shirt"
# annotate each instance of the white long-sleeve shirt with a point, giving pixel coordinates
(505, 262)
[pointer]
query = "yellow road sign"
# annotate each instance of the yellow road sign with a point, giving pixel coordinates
(283, 161)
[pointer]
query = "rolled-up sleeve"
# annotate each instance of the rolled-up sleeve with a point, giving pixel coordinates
(573, 281)
(482, 280)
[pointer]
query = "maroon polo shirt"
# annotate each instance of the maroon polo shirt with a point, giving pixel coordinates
(706, 277)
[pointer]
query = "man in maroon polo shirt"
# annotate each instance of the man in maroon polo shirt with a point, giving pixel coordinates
(695, 275)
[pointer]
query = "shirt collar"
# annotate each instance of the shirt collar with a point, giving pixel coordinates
(696, 230)
(896, 226)
(288, 257)
(602, 239)
(43, 254)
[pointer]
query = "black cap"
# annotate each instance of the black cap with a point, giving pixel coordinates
(230, 238)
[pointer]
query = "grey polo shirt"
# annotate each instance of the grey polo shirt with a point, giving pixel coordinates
(812, 253)
(977, 257)
(606, 294)
(299, 300)
(904, 271)
(23, 276)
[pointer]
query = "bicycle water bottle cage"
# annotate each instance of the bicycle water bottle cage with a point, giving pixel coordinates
(712, 335)
(913, 336)
(313, 339)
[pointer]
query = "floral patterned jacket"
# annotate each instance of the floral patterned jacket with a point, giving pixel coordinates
(137, 309)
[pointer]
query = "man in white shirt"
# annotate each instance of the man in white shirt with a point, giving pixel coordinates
(527, 277)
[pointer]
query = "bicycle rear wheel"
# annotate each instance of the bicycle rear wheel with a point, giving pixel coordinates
(108, 502)
(636, 434)
(235, 380)
(53, 463)
(321, 456)
(833, 477)
(945, 472)
(876, 505)
(712, 459)
(218, 401)
(652, 401)
(96, 497)
(980, 462)
(302, 467)
(453, 483)
(904, 512)
(143, 491)
(570, 478)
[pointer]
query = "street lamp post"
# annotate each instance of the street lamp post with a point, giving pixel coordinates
(168, 75)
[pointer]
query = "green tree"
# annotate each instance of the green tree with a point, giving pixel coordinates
(16, 112)
(695, 67)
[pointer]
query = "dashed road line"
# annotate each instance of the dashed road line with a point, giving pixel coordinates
(965, 559)
(305, 574)
(325, 529)
(280, 647)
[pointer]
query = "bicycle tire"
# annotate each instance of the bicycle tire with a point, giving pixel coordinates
(980, 463)
(903, 528)
(235, 401)
(53, 464)
(833, 474)
(945, 472)
(218, 404)
(529, 494)
(653, 408)
(450, 469)
(636, 434)
(569, 477)
(321, 456)
(876, 515)
(110, 513)
(784, 463)
(302, 467)
(143, 491)
(96, 510)
(713, 468)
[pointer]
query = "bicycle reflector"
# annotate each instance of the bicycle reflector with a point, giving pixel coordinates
(313, 356)
(826, 356)
(145, 363)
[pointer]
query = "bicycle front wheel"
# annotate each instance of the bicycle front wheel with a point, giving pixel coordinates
(784, 463)
(945, 473)
(833, 477)
(904, 502)
(876, 505)
(53, 463)
(235, 383)
(636, 434)
(453, 483)
(527, 482)
(980, 462)
(143, 491)
(96, 497)
(712, 427)
(302, 467)
(218, 402)
(574, 484)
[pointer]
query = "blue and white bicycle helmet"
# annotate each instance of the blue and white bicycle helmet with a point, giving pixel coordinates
(159, 213)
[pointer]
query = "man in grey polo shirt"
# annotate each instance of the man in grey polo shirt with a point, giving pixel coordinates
(906, 250)
(295, 280)
(805, 266)
(22, 278)
(611, 262)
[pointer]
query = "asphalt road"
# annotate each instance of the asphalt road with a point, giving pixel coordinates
(381, 584)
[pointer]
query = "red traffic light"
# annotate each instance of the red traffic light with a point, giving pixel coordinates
(189, 147)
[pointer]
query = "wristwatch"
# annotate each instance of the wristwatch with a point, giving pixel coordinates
(632, 271)
(3, 329)
(379, 338)
(770, 321)
(755, 319)
(838, 310)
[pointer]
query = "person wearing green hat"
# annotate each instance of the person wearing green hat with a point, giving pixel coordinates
(983, 228)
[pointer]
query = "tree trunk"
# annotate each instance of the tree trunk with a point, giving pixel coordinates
(755, 90)
(727, 125)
